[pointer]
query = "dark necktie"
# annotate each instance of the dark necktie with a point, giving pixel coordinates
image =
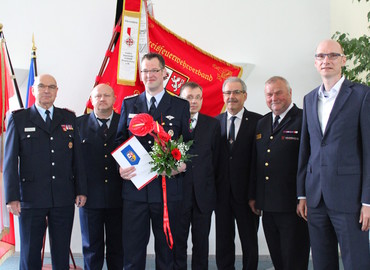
(276, 122)
(152, 106)
(104, 127)
(48, 119)
(232, 132)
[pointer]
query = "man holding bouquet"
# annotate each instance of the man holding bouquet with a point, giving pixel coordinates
(145, 206)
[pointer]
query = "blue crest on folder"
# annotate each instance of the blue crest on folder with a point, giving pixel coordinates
(130, 155)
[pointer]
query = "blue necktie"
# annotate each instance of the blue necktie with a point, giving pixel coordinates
(232, 132)
(152, 106)
(276, 122)
(48, 119)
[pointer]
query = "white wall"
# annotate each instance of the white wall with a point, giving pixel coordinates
(277, 37)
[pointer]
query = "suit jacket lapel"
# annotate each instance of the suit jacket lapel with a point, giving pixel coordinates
(341, 99)
(242, 129)
(291, 113)
(141, 105)
(312, 107)
(93, 123)
(57, 118)
(162, 107)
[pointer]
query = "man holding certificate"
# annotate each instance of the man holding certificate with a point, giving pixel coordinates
(145, 206)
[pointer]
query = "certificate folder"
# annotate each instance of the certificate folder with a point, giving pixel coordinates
(133, 153)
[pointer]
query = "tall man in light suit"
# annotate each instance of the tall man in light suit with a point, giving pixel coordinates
(334, 165)
(142, 208)
(238, 126)
(199, 183)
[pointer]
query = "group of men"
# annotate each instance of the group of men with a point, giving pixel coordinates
(305, 171)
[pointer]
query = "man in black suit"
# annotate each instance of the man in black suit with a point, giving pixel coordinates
(102, 214)
(333, 182)
(273, 180)
(145, 206)
(237, 132)
(199, 199)
(43, 172)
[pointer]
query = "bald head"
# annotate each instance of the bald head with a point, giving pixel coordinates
(103, 99)
(45, 90)
(329, 60)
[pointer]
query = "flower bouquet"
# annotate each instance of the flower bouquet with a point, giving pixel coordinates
(167, 154)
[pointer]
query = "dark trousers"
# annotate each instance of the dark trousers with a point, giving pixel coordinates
(327, 228)
(137, 218)
(32, 224)
(101, 228)
(287, 239)
(227, 212)
(200, 226)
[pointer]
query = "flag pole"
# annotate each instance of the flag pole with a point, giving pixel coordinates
(33, 54)
(111, 44)
(11, 69)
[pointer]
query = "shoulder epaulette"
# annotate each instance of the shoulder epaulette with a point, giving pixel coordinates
(134, 95)
(69, 110)
(19, 110)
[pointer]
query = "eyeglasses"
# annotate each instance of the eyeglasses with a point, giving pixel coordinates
(145, 71)
(198, 97)
(331, 56)
(235, 92)
(43, 86)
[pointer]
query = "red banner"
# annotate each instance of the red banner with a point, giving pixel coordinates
(184, 62)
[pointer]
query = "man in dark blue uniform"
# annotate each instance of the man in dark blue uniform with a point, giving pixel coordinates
(273, 183)
(43, 175)
(144, 207)
(103, 211)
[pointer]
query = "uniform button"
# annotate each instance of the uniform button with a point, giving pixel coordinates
(83, 140)
(51, 138)
(105, 156)
(230, 157)
(23, 179)
(149, 142)
(52, 150)
(105, 144)
(271, 137)
(53, 163)
(106, 168)
(266, 164)
(170, 124)
(267, 178)
(106, 180)
(28, 136)
(53, 177)
(268, 150)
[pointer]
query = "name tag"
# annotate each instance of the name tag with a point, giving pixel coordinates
(29, 129)
(131, 115)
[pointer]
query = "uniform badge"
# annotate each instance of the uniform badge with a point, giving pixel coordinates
(170, 117)
(29, 129)
(170, 132)
(67, 127)
(258, 136)
(70, 145)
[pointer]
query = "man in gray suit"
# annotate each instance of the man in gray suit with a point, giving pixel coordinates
(334, 165)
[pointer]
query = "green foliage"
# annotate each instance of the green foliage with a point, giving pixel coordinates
(357, 51)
